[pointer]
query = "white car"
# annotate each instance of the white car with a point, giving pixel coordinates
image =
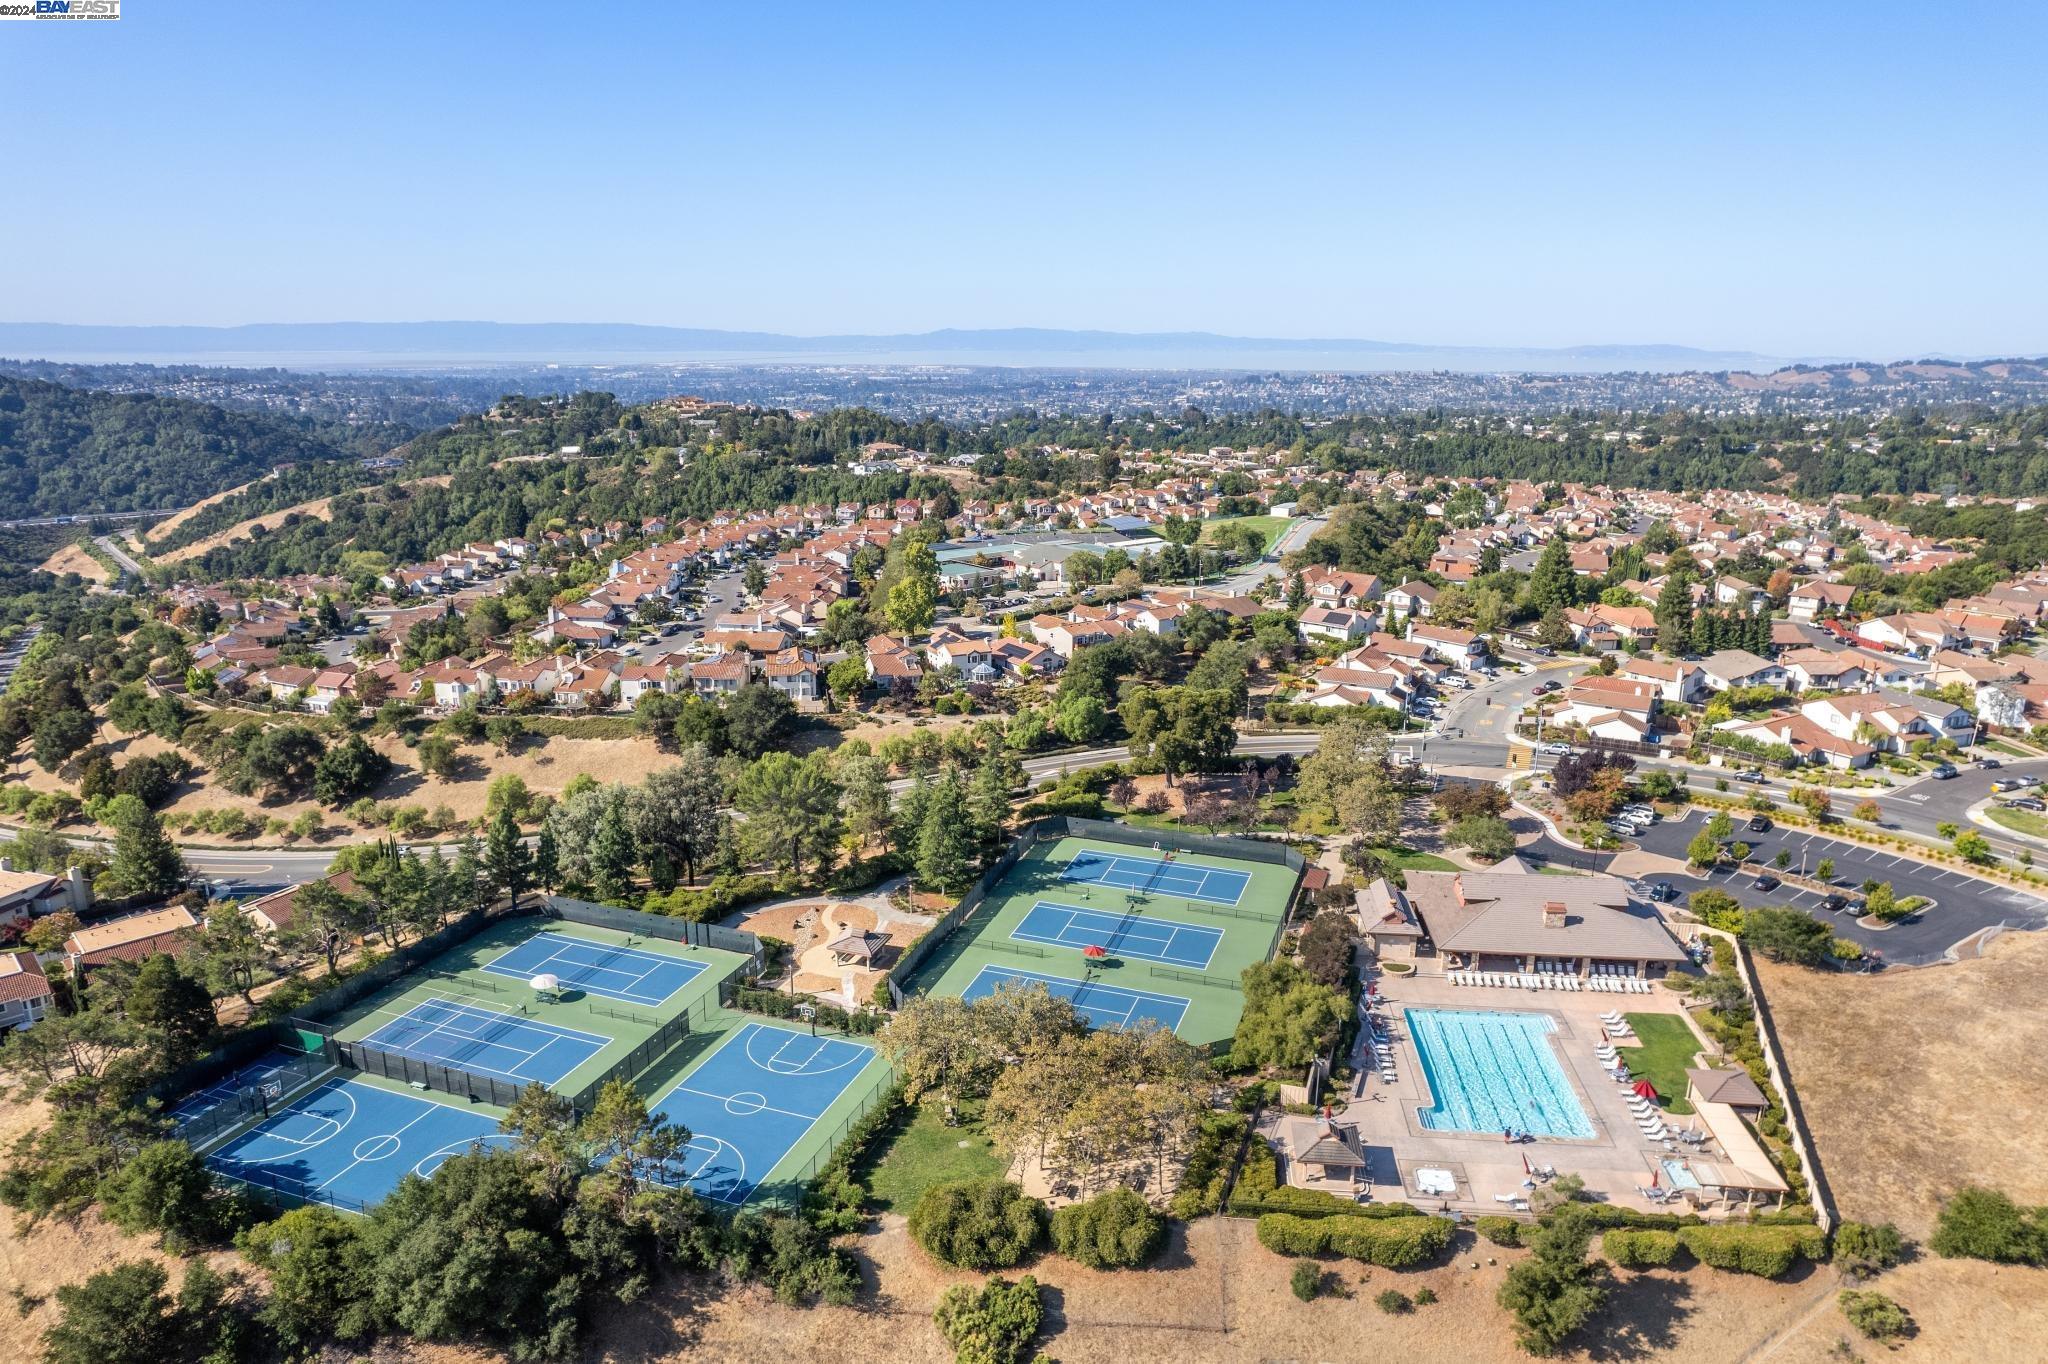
(1556, 750)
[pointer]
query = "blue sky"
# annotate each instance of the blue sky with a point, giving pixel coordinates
(1865, 179)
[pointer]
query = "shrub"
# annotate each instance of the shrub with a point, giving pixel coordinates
(1861, 1248)
(1875, 1315)
(1306, 1280)
(1983, 1224)
(1201, 1182)
(1400, 1242)
(1115, 1230)
(1424, 1297)
(1766, 1251)
(978, 1224)
(994, 1324)
(1502, 1231)
(1633, 1249)
(1393, 1302)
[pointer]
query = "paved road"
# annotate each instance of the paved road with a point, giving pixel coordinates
(1963, 904)
(1249, 577)
(84, 518)
(119, 555)
(242, 873)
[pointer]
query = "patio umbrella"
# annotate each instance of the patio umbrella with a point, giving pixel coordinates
(1647, 1090)
(1095, 951)
(1655, 1173)
(1525, 1163)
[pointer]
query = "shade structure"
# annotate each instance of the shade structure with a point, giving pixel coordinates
(544, 981)
(1095, 951)
(1646, 1090)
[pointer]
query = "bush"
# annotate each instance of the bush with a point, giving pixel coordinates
(1115, 1230)
(1393, 1302)
(1502, 1231)
(1766, 1251)
(1861, 1248)
(1633, 1249)
(1399, 1242)
(1983, 1224)
(1875, 1315)
(1201, 1182)
(978, 1224)
(1306, 1280)
(994, 1324)
(1424, 1297)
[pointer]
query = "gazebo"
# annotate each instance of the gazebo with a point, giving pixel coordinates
(859, 947)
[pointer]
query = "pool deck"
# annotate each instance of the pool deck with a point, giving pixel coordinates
(1614, 1162)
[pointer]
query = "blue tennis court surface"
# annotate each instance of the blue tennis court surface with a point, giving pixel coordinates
(1123, 935)
(488, 1042)
(1156, 875)
(752, 1101)
(621, 973)
(1104, 1006)
(347, 1143)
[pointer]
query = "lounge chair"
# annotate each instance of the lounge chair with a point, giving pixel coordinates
(1611, 1016)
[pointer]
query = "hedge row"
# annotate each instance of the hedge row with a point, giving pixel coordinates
(1390, 1242)
(1764, 1250)
(776, 1004)
(1502, 1231)
(1634, 1249)
(1201, 1182)
(1258, 1190)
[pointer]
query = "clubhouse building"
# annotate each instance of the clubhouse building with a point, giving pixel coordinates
(1514, 921)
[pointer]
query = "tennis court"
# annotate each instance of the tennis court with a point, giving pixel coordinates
(348, 1142)
(1157, 876)
(622, 973)
(486, 1041)
(751, 1101)
(1123, 935)
(1104, 1006)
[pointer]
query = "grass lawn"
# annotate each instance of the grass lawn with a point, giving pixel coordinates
(1407, 859)
(1272, 527)
(1668, 1048)
(2004, 750)
(927, 1152)
(2019, 821)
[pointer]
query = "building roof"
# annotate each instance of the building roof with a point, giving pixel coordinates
(1512, 915)
(1733, 1087)
(21, 978)
(137, 935)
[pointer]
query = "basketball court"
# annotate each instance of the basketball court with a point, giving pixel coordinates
(750, 1102)
(348, 1142)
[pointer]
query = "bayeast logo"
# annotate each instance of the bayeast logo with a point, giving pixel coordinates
(62, 9)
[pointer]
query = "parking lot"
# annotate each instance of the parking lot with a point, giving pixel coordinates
(1962, 904)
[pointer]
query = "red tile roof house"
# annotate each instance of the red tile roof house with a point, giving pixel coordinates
(130, 939)
(722, 675)
(25, 894)
(25, 992)
(273, 912)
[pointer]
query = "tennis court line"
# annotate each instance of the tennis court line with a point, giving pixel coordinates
(1069, 989)
(1157, 875)
(1133, 934)
(761, 1107)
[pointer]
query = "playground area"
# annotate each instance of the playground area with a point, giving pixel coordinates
(1130, 933)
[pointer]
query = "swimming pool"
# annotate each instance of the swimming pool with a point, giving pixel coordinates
(1490, 1071)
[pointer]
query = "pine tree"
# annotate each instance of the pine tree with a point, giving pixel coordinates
(945, 842)
(1553, 583)
(612, 856)
(505, 857)
(146, 864)
(547, 859)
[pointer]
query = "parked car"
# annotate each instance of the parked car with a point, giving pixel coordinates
(2008, 784)
(1754, 776)
(1663, 891)
(1545, 688)
(1759, 824)
(2033, 803)
(1556, 750)
(2027, 779)
(1834, 904)
(1942, 771)
(1989, 764)
(1768, 882)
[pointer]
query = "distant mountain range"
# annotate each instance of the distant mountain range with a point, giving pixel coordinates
(411, 344)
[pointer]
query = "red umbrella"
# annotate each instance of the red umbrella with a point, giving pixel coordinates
(1095, 951)
(1654, 1172)
(1646, 1090)
(1525, 1163)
